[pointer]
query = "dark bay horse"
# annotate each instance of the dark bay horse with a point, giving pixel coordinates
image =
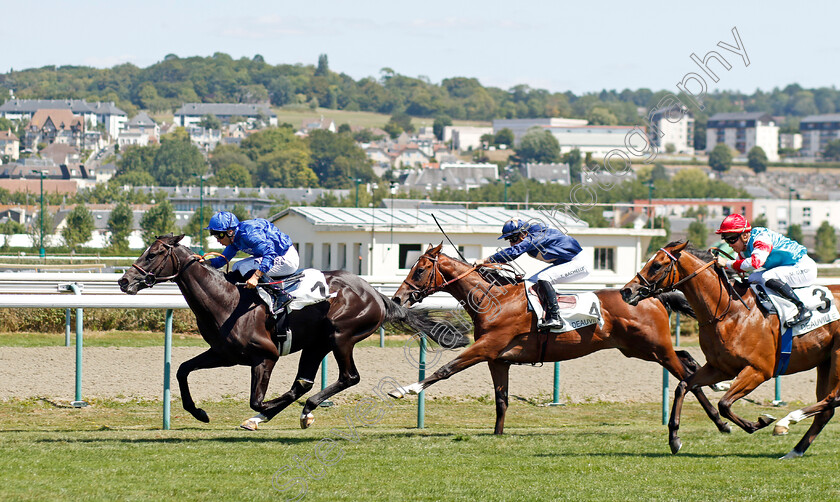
(236, 325)
(740, 342)
(505, 331)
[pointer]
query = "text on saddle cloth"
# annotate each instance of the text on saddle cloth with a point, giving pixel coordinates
(577, 310)
(816, 298)
(307, 289)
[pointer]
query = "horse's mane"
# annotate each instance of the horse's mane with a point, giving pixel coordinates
(499, 276)
(703, 254)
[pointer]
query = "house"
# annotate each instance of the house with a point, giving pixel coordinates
(204, 138)
(387, 242)
(596, 140)
(54, 126)
(742, 131)
(193, 113)
(672, 127)
(318, 124)
(547, 173)
(467, 137)
(141, 130)
(454, 176)
(9, 146)
(817, 131)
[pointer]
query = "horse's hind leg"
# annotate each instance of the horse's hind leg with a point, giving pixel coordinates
(348, 376)
(474, 354)
(305, 378)
(691, 365)
(500, 371)
(207, 359)
(822, 411)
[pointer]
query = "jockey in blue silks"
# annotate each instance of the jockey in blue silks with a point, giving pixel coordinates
(549, 245)
(272, 252)
(770, 259)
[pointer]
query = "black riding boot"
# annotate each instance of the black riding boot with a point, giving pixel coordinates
(804, 315)
(549, 300)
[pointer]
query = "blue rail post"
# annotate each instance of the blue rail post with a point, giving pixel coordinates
(555, 401)
(678, 329)
(78, 403)
(381, 336)
(66, 327)
(778, 390)
(167, 368)
(421, 401)
(324, 404)
(664, 396)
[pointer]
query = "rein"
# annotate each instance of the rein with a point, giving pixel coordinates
(151, 278)
(417, 293)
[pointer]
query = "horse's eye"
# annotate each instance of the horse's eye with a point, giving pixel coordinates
(655, 266)
(417, 274)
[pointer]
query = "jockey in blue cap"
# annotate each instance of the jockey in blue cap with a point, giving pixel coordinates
(272, 252)
(549, 245)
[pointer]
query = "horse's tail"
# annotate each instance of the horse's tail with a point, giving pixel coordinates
(444, 332)
(675, 301)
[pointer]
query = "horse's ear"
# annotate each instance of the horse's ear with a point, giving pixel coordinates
(177, 239)
(679, 247)
(436, 249)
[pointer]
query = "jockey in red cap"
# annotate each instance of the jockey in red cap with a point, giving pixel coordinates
(771, 259)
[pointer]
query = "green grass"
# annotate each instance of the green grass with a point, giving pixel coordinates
(116, 451)
(100, 339)
(295, 115)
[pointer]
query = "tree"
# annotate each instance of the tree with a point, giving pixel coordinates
(440, 123)
(120, 225)
(157, 221)
(232, 175)
(826, 243)
(659, 242)
(795, 233)
(210, 122)
(504, 137)
(721, 158)
(323, 68)
(601, 116)
(79, 227)
(337, 160)
(832, 150)
(35, 229)
(538, 146)
(575, 162)
(658, 173)
(697, 233)
(757, 159)
(177, 161)
(760, 221)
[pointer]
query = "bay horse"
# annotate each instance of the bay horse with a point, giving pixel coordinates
(740, 341)
(507, 333)
(237, 326)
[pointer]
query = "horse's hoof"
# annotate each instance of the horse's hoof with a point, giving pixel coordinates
(201, 416)
(250, 425)
(306, 420)
(792, 454)
(781, 430)
(675, 444)
(720, 386)
(726, 429)
(397, 393)
(765, 420)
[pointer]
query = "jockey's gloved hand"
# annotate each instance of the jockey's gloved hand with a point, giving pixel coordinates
(721, 262)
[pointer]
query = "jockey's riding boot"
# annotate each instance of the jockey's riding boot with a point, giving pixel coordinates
(804, 315)
(549, 300)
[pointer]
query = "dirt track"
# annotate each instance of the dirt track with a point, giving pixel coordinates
(138, 372)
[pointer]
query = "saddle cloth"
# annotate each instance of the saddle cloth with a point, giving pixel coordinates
(306, 287)
(576, 310)
(816, 298)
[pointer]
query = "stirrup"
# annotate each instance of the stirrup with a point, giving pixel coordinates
(804, 315)
(550, 322)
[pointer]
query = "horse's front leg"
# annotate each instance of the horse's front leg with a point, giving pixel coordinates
(747, 380)
(706, 375)
(500, 370)
(478, 352)
(208, 359)
(260, 375)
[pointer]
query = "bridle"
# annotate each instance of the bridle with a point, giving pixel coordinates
(653, 287)
(151, 278)
(417, 293)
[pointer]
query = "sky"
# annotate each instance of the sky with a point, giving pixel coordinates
(555, 45)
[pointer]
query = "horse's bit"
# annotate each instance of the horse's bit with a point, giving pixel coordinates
(150, 278)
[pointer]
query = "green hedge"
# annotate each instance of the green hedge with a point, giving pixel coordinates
(53, 320)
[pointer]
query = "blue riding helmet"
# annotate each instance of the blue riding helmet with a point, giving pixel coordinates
(513, 227)
(222, 221)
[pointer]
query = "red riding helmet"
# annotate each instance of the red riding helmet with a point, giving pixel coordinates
(734, 224)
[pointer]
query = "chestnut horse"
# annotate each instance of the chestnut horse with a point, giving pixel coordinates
(506, 332)
(739, 342)
(236, 325)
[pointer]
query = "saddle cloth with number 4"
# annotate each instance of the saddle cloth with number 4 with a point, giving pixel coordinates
(577, 310)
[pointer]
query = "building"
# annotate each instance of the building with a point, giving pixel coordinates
(467, 137)
(674, 127)
(521, 126)
(387, 242)
(54, 126)
(141, 130)
(742, 131)
(192, 113)
(817, 131)
(596, 140)
(106, 114)
(9, 146)
(790, 141)
(454, 176)
(547, 173)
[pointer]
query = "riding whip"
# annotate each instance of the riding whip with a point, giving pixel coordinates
(447, 238)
